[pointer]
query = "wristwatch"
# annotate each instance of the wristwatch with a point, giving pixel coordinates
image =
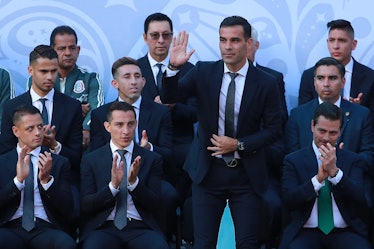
(240, 145)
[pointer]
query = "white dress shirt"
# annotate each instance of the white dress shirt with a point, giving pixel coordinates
(154, 66)
(239, 88)
(348, 80)
(312, 222)
(132, 212)
(39, 210)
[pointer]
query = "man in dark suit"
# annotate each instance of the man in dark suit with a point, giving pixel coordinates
(226, 159)
(49, 205)
(158, 34)
(274, 154)
(357, 133)
(63, 127)
(323, 187)
(108, 178)
(359, 87)
(153, 132)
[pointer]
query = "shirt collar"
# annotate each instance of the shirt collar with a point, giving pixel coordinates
(35, 97)
(34, 152)
(337, 103)
(242, 71)
(129, 148)
(316, 150)
(153, 62)
(349, 66)
(136, 104)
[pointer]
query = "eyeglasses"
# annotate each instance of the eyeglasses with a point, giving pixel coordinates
(165, 36)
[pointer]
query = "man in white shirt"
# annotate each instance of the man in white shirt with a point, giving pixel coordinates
(323, 188)
(36, 198)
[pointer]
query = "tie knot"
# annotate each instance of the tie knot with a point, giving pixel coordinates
(159, 65)
(233, 75)
(122, 153)
(43, 100)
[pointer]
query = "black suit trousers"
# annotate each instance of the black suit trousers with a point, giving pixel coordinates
(221, 185)
(43, 236)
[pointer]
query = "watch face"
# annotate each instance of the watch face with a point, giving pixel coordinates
(240, 146)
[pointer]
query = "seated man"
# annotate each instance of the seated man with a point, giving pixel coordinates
(120, 189)
(35, 191)
(323, 188)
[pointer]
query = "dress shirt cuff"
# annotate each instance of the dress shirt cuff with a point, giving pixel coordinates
(114, 191)
(171, 73)
(150, 146)
(335, 180)
(19, 185)
(48, 184)
(316, 184)
(57, 149)
(132, 187)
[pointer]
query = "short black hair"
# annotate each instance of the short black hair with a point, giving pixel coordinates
(329, 111)
(157, 17)
(123, 61)
(119, 106)
(42, 51)
(343, 25)
(238, 20)
(23, 110)
(330, 61)
(60, 30)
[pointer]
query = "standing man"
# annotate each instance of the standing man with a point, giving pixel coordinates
(121, 184)
(62, 116)
(35, 193)
(73, 80)
(323, 187)
(226, 160)
(158, 34)
(6, 89)
(359, 86)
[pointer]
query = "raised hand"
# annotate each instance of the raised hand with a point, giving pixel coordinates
(117, 172)
(23, 162)
(178, 50)
(134, 170)
(45, 166)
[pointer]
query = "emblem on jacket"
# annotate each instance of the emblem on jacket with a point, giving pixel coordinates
(79, 86)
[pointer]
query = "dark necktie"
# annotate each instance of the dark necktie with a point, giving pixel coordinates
(230, 114)
(28, 222)
(159, 76)
(325, 215)
(120, 218)
(44, 111)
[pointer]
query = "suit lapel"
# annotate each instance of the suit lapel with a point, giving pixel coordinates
(215, 90)
(357, 79)
(347, 111)
(144, 117)
(58, 107)
(250, 88)
(150, 80)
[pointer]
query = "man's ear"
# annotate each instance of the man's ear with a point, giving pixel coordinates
(107, 126)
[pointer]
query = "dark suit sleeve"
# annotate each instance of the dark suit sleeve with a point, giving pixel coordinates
(297, 193)
(164, 144)
(72, 143)
(147, 192)
(306, 90)
(94, 200)
(96, 129)
(58, 197)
